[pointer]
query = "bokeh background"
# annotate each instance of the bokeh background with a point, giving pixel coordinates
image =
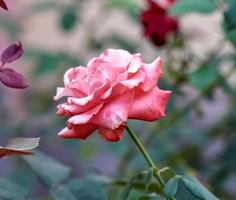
(197, 136)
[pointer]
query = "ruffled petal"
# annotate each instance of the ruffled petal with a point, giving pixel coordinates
(61, 92)
(153, 73)
(92, 98)
(80, 101)
(65, 109)
(114, 113)
(78, 131)
(110, 71)
(135, 63)
(93, 64)
(117, 57)
(133, 80)
(111, 135)
(149, 106)
(84, 117)
(77, 78)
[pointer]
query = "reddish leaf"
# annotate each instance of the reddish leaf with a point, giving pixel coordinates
(3, 5)
(19, 146)
(12, 79)
(11, 53)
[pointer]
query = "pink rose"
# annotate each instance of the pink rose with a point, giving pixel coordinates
(114, 87)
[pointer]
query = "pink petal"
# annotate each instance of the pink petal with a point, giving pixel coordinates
(77, 78)
(153, 73)
(68, 110)
(133, 80)
(117, 57)
(78, 131)
(61, 92)
(149, 106)
(81, 101)
(84, 117)
(94, 63)
(110, 71)
(114, 113)
(94, 97)
(135, 63)
(111, 135)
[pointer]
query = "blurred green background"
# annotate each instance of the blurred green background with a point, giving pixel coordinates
(196, 137)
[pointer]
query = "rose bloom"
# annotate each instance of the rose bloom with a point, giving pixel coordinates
(156, 23)
(114, 87)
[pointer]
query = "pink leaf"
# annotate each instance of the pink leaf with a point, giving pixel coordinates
(3, 5)
(12, 52)
(12, 79)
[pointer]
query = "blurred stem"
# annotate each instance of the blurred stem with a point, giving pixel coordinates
(145, 154)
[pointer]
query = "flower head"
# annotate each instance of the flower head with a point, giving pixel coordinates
(114, 87)
(158, 25)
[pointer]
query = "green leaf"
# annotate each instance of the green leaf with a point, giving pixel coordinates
(126, 190)
(46, 63)
(11, 191)
(187, 6)
(170, 188)
(49, 170)
(62, 193)
(85, 189)
(148, 179)
(131, 6)
(23, 143)
(197, 189)
(229, 23)
(151, 196)
(68, 19)
(205, 76)
(166, 173)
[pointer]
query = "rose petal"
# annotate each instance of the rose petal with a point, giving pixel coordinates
(133, 80)
(111, 135)
(114, 113)
(94, 96)
(149, 106)
(78, 131)
(77, 78)
(153, 73)
(81, 101)
(135, 63)
(68, 110)
(84, 117)
(117, 57)
(62, 92)
(110, 71)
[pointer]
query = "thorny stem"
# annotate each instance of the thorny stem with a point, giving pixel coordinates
(146, 155)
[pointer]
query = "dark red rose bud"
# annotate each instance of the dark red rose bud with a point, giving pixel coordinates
(12, 79)
(3, 5)
(156, 22)
(11, 53)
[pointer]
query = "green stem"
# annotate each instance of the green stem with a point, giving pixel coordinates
(145, 154)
